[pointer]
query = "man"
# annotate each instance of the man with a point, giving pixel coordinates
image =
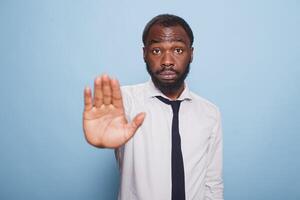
(168, 140)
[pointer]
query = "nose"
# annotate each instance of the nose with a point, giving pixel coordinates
(167, 60)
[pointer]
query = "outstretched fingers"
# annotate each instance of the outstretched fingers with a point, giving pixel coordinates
(106, 91)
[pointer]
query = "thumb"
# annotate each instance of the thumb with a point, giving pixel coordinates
(138, 120)
(135, 124)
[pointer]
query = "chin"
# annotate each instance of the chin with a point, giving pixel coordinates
(168, 85)
(167, 81)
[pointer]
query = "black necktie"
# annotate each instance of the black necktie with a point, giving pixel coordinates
(178, 188)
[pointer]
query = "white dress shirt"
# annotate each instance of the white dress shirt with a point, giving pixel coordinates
(145, 160)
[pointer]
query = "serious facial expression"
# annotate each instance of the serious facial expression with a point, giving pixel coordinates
(167, 54)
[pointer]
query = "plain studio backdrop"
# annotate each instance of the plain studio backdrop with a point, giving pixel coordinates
(246, 61)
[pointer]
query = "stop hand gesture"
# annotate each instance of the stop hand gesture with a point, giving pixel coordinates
(104, 121)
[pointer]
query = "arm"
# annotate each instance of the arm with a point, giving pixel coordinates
(104, 121)
(213, 180)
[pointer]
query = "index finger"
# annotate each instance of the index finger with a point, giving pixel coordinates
(117, 100)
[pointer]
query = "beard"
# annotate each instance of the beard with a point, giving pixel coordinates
(168, 87)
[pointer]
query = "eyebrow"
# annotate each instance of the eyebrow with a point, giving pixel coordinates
(153, 41)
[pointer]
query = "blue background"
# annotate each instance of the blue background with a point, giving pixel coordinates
(246, 61)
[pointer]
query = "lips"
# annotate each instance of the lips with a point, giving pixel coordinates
(168, 74)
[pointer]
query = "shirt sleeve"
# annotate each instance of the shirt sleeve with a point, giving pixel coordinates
(213, 180)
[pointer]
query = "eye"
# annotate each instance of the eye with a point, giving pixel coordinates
(156, 51)
(178, 50)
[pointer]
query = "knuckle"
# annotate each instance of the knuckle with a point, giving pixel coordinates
(98, 98)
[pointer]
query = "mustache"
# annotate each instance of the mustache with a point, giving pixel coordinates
(166, 68)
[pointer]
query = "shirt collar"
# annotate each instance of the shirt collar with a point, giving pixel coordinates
(154, 91)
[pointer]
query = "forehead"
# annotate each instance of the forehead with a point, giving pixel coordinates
(158, 33)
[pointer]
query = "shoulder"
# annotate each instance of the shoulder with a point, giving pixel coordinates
(206, 106)
(133, 89)
(134, 95)
(135, 92)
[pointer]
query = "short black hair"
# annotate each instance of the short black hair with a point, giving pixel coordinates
(168, 20)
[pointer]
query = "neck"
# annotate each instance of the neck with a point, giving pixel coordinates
(175, 93)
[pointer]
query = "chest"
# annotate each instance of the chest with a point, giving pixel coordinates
(195, 128)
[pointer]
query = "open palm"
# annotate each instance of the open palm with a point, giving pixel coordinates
(104, 121)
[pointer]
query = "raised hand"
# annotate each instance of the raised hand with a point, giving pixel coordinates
(104, 121)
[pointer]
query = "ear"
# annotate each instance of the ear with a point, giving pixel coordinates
(144, 53)
(192, 54)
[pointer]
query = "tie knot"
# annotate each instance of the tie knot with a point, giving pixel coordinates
(175, 104)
